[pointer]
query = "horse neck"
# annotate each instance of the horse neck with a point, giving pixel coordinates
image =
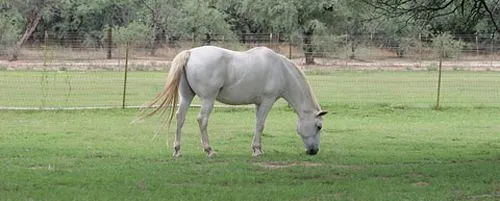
(298, 93)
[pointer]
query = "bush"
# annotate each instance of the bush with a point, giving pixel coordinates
(133, 32)
(9, 34)
(446, 46)
(325, 45)
(408, 46)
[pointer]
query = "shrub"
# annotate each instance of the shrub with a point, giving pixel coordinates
(446, 46)
(9, 34)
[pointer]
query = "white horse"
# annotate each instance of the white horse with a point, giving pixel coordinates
(258, 76)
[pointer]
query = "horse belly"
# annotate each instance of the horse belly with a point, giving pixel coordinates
(238, 96)
(250, 91)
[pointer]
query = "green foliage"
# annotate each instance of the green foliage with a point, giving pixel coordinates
(169, 20)
(85, 19)
(326, 44)
(446, 46)
(161, 16)
(455, 16)
(408, 45)
(202, 21)
(132, 33)
(9, 31)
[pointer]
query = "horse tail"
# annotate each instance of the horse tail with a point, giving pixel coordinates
(169, 96)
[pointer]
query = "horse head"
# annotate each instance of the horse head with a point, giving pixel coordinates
(309, 128)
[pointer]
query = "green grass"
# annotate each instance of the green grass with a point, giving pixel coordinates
(83, 89)
(368, 152)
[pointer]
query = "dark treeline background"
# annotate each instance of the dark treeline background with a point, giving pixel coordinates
(159, 23)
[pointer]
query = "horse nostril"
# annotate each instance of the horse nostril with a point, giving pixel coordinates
(312, 151)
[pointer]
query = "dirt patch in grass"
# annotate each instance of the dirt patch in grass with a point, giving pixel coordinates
(278, 165)
(485, 197)
(420, 184)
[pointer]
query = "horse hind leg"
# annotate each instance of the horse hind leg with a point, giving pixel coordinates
(186, 97)
(206, 109)
(261, 112)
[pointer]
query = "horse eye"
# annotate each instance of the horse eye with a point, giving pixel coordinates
(320, 127)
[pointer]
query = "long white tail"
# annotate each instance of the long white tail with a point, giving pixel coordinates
(169, 96)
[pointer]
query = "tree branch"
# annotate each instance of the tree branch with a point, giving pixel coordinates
(490, 14)
(428, 10)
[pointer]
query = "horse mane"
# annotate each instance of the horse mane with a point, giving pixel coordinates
(308, 90)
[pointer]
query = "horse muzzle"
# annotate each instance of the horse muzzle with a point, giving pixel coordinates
(312, 151)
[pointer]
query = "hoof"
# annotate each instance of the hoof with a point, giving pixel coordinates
(177, 154)
(177, 151)
(211, 154)
(257, 152)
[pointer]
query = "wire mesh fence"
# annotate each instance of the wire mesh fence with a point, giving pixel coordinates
(347, 70)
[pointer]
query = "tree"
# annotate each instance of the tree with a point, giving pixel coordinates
(356, 18)
(10, 28)
(170, 20)
(240, 18)
(162, 17)
(90, 20)
(443, 15)
(202, 19)
(305, 17)
(31, 11)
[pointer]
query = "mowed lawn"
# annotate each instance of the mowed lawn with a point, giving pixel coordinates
(381, 141)
(368, 152)
(105, 88)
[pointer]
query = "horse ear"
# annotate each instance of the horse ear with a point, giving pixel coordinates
(321, 113)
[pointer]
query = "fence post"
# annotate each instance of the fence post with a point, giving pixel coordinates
(477, 46)
(271, 40)
(125, 76)
(420, 49)
(439, 75)
(110, 43)
(492, 51)
(346, 50)
(45, 48)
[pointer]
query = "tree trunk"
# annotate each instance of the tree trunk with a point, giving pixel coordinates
(30, 28)
(308, 48)
(159, 34)
(354, 45)
(110, 43)
(208, 39)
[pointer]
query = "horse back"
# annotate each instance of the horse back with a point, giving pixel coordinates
(238, 77)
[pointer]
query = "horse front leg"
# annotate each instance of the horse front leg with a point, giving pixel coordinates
(206, 109)
(261, 113)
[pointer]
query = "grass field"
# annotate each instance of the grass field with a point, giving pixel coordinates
(367, 153)
(91, 89)
(381, 141)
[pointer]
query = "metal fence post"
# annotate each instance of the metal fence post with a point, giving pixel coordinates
(346, 50)
(125, 76)
(492, 51)
(439, 75)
